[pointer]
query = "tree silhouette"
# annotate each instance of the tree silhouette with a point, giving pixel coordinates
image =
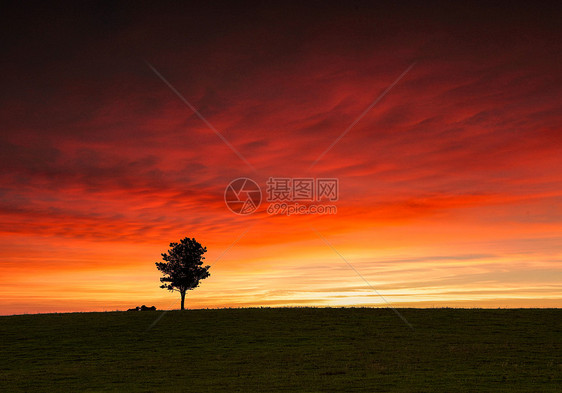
(182, 267)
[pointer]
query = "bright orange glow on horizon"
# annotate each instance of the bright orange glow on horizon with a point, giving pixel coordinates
(450, 187)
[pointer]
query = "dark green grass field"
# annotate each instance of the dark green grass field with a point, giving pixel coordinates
(284, 350)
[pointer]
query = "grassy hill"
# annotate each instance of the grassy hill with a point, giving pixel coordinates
(284, 350)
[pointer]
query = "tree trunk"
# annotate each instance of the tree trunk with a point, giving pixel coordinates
(182, 300)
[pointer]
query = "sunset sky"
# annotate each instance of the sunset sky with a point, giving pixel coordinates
(450, 186)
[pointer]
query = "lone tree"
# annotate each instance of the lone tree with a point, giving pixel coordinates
(182, 267)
